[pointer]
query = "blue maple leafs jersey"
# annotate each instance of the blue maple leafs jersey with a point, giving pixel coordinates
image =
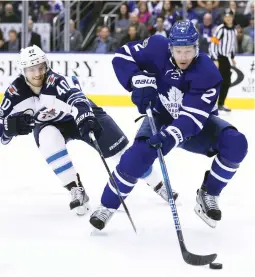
(185, 98)
(60, 99)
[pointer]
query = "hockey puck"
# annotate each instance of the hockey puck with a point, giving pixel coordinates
(215, 266)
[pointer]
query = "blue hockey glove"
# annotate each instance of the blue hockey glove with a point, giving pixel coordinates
(88, 122)
(20, 123)
(144, 90)
(166, 139)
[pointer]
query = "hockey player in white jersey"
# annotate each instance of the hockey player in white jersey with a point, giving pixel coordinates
(56, 110)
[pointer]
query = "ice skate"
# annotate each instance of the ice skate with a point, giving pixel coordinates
(101, 216)
(207, 206)
(160, 189)
(80, 200)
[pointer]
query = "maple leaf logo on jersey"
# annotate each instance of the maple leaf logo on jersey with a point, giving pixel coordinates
(172, 101)
(51, 80)
(12, 90)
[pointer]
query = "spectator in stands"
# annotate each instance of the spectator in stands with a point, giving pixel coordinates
(1, 40)
(144, 16)
(56, 6)
(250, 29)
(104, 43)
(17, 8)
(202, 5)
(155, 9)
(239, 18)
(211, 7)
(169, 14)
(251, 13)
(1, 10)
(34, 9)
(244, 43)
(45, 15)
(191, 13)
(159, 27)
(140, 27)
(249, 7)
(132, 7)
(121, 22)
(75, 37)
(98, 30)
(13, 44)
(33, 37)
(10, 16)
(130, 36)
(207, 28)
(203, 42)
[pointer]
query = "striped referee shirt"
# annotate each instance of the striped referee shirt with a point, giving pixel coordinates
(223, 42)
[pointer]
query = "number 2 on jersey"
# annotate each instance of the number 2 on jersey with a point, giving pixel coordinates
(205, 96)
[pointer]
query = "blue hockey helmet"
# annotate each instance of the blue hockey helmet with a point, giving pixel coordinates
(184, 33)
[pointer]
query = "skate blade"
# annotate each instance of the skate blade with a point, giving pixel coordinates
(83, 210)
(210, 222)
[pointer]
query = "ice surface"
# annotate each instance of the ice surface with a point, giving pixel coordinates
(39, 236)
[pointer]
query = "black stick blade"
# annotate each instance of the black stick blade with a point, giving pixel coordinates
(194, 259)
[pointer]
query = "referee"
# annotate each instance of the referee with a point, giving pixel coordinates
(222, 49)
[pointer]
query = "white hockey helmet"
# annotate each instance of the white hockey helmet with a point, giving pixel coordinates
(31, 56)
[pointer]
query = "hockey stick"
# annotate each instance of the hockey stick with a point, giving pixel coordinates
(188, 257)
(94, 140)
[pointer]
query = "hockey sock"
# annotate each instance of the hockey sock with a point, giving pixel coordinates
(133, 164)
(232, 147)
(62, 166)
(125, 184)
(56, 155)
(220, 174)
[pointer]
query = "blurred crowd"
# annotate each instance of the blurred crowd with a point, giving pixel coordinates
(135, 20)
(39, 12)
(140, 19)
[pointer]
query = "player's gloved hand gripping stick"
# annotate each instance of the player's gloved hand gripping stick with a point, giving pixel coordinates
(188, 257)
(20, 123)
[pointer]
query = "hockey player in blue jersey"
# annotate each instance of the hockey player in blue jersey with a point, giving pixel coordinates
(57, 111)
(182, 86)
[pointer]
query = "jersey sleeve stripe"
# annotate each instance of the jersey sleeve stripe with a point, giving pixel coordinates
(77, 100)
(126, 48)
(128, 58)
(75, 95)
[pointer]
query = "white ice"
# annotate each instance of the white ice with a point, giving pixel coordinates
(39, 236)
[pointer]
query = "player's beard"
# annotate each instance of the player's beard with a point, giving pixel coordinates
(36, 86)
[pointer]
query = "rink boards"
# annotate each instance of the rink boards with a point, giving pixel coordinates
(100, 84)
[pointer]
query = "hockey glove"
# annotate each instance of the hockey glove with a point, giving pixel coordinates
(166, 139)
(144, 90)
(18, 124)
(88, 122)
